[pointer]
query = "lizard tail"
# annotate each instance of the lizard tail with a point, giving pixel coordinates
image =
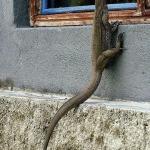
(72, 103)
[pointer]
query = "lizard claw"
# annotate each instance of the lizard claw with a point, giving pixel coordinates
(121, 37)
(116, 23)
(114, 26)
(121, 40)
(76, 109)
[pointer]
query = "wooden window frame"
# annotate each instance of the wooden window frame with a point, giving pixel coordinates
(140, 15)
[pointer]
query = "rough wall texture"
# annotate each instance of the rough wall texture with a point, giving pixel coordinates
(97, 124)
(57, 59)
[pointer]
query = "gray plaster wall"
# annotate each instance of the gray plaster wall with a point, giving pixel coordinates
(57, 59)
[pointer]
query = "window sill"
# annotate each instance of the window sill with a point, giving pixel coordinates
(86, 18)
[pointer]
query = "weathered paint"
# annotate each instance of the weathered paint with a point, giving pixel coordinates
(85, 18)
(142, 7)
(125, 17)
(32, 12)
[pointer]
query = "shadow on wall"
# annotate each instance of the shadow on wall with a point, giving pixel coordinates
(21, 17)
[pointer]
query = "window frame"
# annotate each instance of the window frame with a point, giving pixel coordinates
(139, 15)
(86, 8)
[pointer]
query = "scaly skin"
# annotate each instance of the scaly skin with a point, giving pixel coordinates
(100, 58)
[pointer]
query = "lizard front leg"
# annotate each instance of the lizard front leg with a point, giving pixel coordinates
(107, 55)
(114, 26)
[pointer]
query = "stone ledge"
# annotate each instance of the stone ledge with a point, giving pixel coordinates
(98, 124)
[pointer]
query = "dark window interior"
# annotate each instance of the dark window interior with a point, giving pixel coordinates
(67, 3)
(120, 1)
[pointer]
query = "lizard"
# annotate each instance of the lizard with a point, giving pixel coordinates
(101, 55)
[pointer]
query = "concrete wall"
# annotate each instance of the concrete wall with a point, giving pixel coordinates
(58, 58)
(96, 125)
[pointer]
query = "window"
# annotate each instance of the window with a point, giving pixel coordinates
(65, 6)
(80, 12)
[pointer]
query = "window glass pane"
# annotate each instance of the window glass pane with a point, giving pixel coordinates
(69, 3)
(120, 1)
